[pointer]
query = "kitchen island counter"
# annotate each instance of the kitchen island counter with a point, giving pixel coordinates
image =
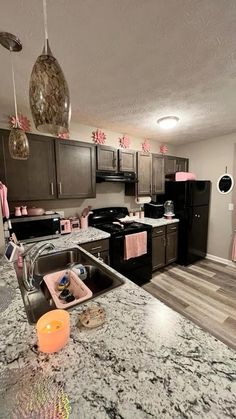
(146, 361)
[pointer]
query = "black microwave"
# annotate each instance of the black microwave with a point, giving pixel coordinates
(153, 210)
(36, 228)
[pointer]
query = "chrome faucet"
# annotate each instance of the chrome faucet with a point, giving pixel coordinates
(29, 262)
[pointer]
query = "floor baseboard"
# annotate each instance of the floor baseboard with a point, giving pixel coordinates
(220, 260)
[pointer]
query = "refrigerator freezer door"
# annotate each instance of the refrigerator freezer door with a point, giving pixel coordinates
(198, 192)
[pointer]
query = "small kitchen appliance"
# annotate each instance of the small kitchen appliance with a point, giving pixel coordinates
(65, 226)
(153, 210)
(30, 229)
(137, 269)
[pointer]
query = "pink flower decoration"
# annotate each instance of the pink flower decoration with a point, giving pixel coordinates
(163, 149)
(146, 146)
(98, 137)
(64, 135)
(124, 141)
(23, 122)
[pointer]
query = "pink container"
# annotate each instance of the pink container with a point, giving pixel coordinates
(84, 222)
(182, 176)
(77, 287)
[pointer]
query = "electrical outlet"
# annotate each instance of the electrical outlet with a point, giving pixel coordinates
(231, 206)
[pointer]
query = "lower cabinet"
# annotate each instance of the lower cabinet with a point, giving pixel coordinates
(164, 245)
(99, 249)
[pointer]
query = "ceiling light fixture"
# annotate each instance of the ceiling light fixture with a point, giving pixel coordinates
(168, 122)
(49, 93)
(18, 142)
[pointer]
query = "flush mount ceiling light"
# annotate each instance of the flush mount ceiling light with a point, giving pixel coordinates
(18, 142)
(168, 122)
(49, 93)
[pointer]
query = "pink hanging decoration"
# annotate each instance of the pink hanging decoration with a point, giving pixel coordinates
(163, 149)
(64, 135)
(146, 147)
(98, 137)
(124, 141)
(24, 122)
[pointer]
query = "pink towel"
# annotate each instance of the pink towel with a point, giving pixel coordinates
(3, 199)
(135, 245)
(182, 176)
(234, 249)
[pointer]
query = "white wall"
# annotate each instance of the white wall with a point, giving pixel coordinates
(208, 160)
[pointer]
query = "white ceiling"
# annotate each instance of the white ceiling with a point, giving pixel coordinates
(130, 62)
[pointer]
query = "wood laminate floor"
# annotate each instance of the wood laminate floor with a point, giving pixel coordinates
(204, 293)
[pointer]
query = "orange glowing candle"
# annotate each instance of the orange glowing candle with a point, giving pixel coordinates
(53, 331)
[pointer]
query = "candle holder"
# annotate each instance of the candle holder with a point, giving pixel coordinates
(53, 331)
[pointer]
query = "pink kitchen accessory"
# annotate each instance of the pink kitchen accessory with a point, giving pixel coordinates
(3, 200)
(80, 291)
(183, 176)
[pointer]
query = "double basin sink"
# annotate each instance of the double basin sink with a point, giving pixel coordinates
(39, 301)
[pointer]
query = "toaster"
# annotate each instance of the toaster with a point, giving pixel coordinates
(65, 226)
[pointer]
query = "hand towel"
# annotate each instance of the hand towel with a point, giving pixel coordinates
(234, 249)
(135, 245)
(3, 199)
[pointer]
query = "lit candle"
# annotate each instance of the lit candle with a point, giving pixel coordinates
(53, 330)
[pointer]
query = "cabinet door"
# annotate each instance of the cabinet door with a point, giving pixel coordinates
(169, 165)
(106, 158)
(181, 164)
(32, 179)
(158, 252)
(144, 161)
(127, 160)
(76, 175)
(171, 247)
(158, 176)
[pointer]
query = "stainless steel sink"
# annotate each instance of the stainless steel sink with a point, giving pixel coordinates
(37, 302)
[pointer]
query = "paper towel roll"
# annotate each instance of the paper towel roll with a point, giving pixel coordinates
(142, 200)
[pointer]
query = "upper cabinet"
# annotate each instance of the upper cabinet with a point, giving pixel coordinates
(109, 159)
(31, 179)
(75, 169)
(158, 177)
(174, 164)
(144, 168)
(55, 169)
(127, 160)
(106, 158)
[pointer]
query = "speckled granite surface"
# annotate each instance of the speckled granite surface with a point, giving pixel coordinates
(83, 236)
(145, 362)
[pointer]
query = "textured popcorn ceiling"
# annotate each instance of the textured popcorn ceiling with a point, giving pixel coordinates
(130, 62)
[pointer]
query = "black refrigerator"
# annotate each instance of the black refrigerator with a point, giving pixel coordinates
(191, 205)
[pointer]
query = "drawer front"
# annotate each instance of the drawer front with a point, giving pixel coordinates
(172, 227)
(96, 246)
(158, 231)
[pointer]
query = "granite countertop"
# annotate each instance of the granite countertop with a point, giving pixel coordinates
(146, 361)
(89, 234)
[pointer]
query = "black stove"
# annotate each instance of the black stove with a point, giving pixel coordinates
(138, 269)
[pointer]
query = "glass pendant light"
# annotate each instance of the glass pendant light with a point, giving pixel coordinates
(49, 93)
(18, 142)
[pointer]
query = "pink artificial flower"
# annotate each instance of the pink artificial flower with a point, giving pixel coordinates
(146, 147)
(124, 141)
(98, 137)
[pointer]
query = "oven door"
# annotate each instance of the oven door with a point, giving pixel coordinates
(138, 269)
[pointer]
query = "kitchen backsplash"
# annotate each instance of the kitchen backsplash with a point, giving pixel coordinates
(108, 194)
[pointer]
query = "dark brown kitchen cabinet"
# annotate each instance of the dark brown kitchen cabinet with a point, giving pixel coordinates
(171, 244)
(181, 164)
(99, 249)
(158, 176)
(164, 245)
(144, 164)
(158, 248)
(106, 158)
(75, 169)
(32, 179)
(127, 160)
(173, 164)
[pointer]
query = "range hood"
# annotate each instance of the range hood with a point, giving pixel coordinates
(125, 177)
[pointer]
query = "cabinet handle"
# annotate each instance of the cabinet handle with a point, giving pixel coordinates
(172, 228)
(52, 188)
(159, 231)
(97, 248)
(60, 188)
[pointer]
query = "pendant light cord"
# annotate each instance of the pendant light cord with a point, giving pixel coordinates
(45, 23)
(14, 86)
